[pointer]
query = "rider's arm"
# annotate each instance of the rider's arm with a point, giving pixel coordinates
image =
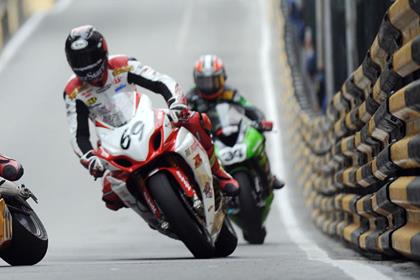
(148, 78)
(252, 112)
(78, 120)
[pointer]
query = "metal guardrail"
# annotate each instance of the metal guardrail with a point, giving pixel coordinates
(359, 164)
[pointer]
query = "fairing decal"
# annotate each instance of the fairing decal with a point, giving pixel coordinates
(5, 223)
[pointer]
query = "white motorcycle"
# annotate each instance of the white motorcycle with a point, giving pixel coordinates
(170, 183)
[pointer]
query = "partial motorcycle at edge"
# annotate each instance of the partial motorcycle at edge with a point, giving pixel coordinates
(23, 238)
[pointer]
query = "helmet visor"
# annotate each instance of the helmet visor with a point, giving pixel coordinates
(208, 84)
(88, 66)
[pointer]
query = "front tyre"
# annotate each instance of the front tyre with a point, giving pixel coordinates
(181, 222)
(250, 214)
(227, 240)
(29, 242)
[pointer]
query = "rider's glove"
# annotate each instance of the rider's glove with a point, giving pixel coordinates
(178, 111)
(91, 162)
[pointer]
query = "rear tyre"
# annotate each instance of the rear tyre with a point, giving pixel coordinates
(29, 242)
(184, 226)
(250, 214)
(227, 241)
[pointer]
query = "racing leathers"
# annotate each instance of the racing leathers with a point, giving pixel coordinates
(198, 103)
(105, 104)
(10, 169)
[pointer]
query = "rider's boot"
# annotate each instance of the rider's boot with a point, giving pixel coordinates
(273, 181)
(228, 185)
(200, 125)
(276, 183)
(111, 199)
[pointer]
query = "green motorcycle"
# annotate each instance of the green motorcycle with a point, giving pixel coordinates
(240, 147)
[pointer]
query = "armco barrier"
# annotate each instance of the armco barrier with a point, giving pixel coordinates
(359, 164)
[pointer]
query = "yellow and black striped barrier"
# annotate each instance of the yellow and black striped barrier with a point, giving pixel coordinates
(359, 164)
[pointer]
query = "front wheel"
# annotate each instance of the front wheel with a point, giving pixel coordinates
(181, 222)
(227, 240)
(250, 214)
(29, 242)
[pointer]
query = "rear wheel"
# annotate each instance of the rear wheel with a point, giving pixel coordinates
(182, 223)
(29, 242)
(250, 214)
(227, 241)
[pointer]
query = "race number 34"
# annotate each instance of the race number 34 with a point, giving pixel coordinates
(233, 155)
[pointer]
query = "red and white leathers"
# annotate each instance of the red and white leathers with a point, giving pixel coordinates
(105, 105)
(10, 169)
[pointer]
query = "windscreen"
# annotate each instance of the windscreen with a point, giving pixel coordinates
(117, 109)
(226, 116)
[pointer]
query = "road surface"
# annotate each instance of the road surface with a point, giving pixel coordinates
(87, 241)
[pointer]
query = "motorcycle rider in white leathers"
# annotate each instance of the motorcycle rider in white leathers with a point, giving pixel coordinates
(103, 85)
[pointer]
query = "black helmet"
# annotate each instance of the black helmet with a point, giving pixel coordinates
(209, 76)
(87, 53)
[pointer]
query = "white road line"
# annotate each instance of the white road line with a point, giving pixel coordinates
(185, 26)
(354, 269)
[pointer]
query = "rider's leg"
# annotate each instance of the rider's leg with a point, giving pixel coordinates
(111, 199)
(200, 125)
(10, 169)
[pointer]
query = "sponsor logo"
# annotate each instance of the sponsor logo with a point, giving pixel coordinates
(79, 44)
(87, 94)
(91, 101)
(150, 202)
(198, 161)
(208, 192)
(95, 105)
(184, 180)
(188, 152)
(117, 80)
(73, 94)
(104, 88)
(121, 70)
(194, 146)
(120, 87)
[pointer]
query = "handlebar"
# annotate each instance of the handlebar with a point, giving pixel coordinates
(8, 188)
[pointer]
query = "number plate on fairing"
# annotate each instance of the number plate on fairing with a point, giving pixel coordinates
(232, 155)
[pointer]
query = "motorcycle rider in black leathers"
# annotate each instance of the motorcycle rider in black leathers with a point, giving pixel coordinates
(210, 89)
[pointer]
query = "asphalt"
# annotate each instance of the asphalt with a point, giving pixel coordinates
(87, 241)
